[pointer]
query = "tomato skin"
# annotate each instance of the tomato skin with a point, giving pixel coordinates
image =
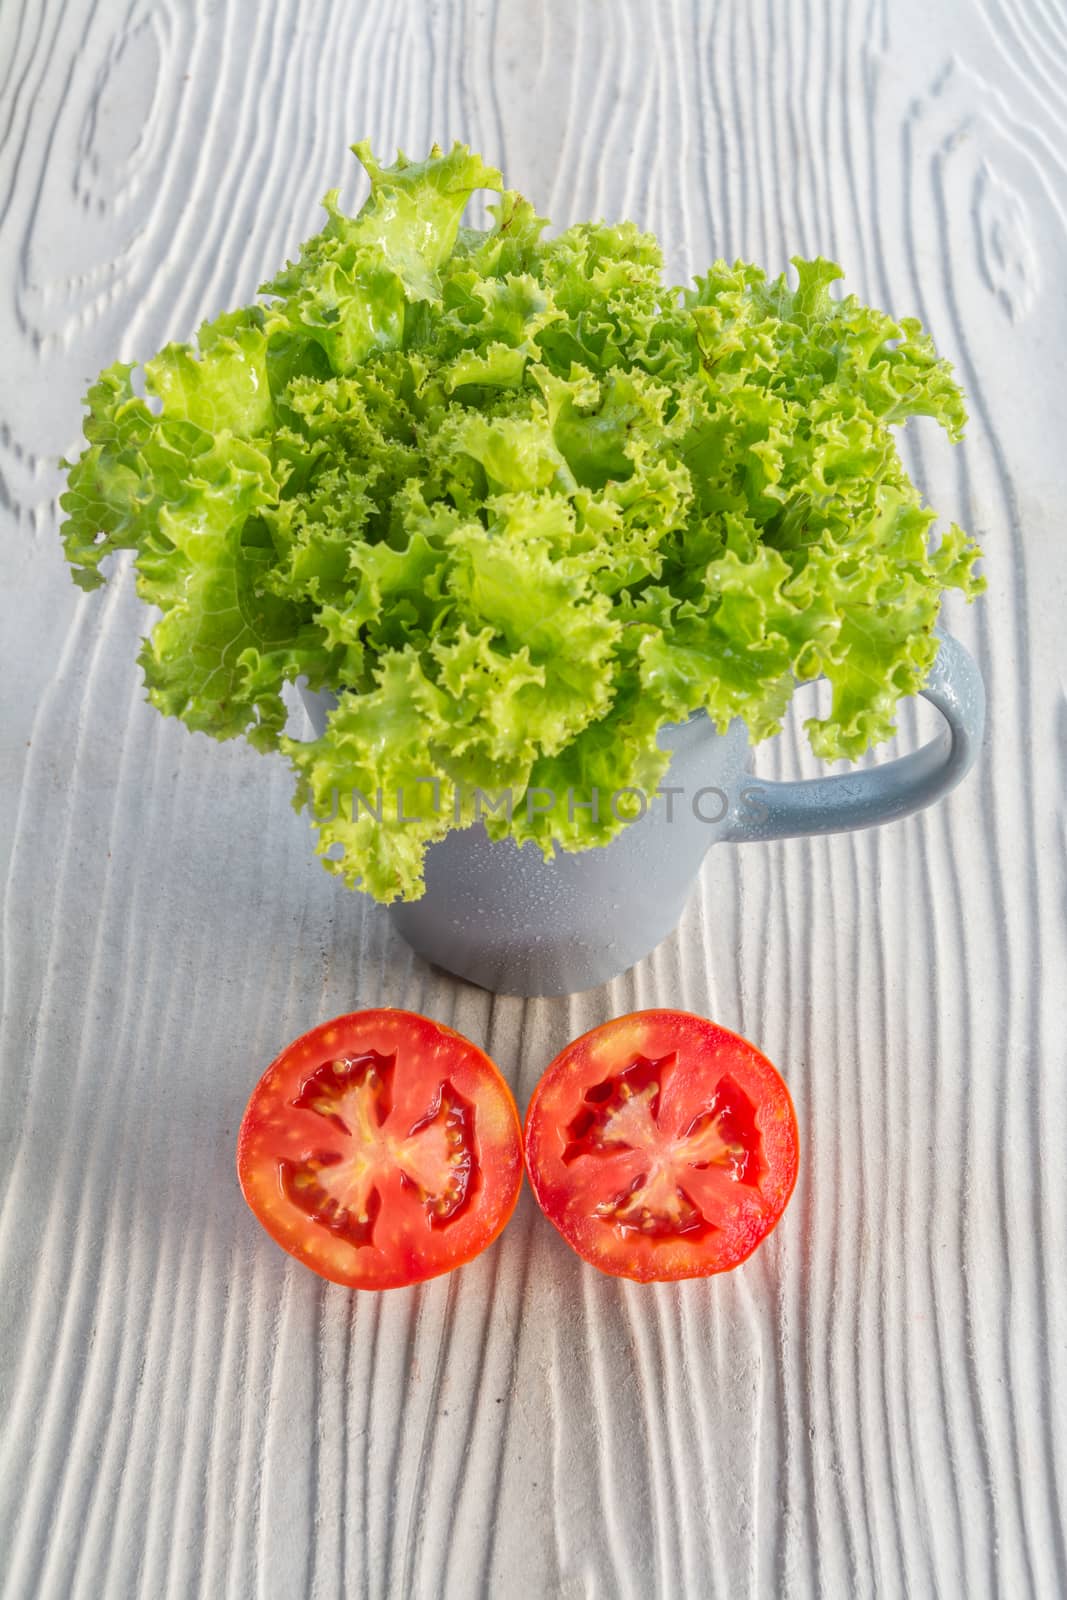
(445, 1161)
(612, 1135)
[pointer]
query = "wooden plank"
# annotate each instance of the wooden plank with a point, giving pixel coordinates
(875, 1403)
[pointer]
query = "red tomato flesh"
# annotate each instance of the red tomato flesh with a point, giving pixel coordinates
(381, 1149)
(662, 1146)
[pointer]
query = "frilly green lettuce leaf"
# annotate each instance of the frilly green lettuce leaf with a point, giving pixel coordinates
(414, 211)
(519, 504)
(224, 645)
(351, 287)
(222, 386)
(371, 782)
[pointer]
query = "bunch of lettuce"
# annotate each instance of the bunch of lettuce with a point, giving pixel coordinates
(519, 505)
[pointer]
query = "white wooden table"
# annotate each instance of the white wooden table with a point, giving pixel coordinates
(875, 1404)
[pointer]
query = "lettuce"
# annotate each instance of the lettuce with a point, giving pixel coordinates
(518, 504)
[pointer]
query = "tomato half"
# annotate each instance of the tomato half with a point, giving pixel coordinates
(662, 1146)
(380, 1149)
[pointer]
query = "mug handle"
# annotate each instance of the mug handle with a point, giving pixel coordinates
(862, 799)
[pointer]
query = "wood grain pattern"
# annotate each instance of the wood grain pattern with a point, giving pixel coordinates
(875, 1404)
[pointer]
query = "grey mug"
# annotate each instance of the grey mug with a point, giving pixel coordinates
(502, 916)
